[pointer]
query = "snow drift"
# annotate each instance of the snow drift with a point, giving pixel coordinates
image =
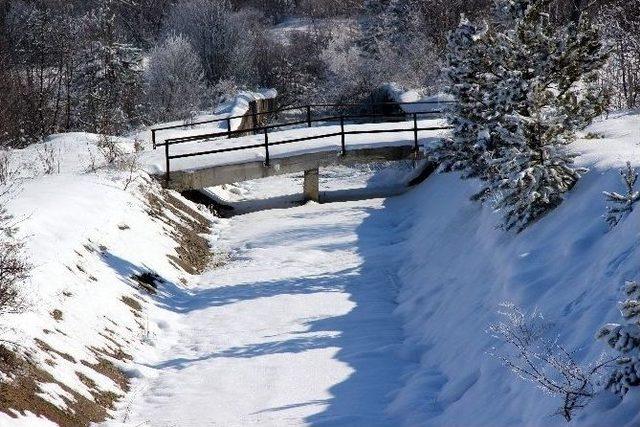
(459, 267)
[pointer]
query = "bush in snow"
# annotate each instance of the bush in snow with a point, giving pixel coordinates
(14, 267)
(174, 80)
(625, 338)
(622, 204)
(545, 362)
(523, 87)
(49, 159)
(110, 150)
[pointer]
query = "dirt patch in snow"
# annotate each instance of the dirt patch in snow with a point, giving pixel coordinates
(21, 392)
(188, 227)
(132, 303)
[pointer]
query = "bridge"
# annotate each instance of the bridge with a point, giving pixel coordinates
(296, 139)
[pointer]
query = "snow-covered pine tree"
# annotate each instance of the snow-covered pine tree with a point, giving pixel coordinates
(470, 73)
(622, 204)
(558, 69)
(625, 338)
(544, 90)
(110, 81)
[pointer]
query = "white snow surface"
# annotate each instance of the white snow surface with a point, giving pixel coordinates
(85, 237)
(301, 327)
(296, 329)
(368, 313)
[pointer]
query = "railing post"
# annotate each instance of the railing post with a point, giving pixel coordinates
(229, 128)
(416, 147)
(153, 138)
(266, 147)
(342, 136)
(167, 160)
(309, 115)
(254, 115)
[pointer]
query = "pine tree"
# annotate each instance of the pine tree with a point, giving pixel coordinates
(110, 81)
(523, 87)
(625, 338)
(622, 203)
(470, 76)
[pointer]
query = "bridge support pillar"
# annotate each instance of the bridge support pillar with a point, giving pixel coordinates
(311, 185)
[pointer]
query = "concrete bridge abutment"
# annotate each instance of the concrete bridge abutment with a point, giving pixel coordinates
(311, 185)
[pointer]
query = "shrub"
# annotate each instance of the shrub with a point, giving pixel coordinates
(545, 362)
(622, 204)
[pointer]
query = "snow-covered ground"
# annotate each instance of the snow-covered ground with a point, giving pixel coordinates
(87, 234)
(359, 313)
(297, 328)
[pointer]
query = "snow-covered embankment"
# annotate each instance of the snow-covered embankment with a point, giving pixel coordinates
(459, 267)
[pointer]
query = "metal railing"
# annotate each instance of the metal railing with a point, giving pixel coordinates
(309, 120)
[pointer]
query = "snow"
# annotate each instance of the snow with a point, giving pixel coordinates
(438, 255)
(282, 333)
(53, 393)
(358, 313)
(460, 267)
(416, 102)
(85, 237)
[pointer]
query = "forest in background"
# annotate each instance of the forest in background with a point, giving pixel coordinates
(108, 66)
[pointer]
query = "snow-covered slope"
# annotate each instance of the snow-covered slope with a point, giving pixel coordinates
(89, 237)
(459, 268)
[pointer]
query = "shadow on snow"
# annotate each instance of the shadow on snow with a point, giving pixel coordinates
(368, 337)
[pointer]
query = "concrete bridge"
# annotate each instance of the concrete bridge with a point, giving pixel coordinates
(195, 162)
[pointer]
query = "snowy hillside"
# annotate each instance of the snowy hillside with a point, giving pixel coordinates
(96, 237)
(311, 287)
(459, 268)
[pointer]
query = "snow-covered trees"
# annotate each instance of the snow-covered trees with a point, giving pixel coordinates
(622, 204)
(373, 26)
(621, 28)
(524, 88)
(625, 338)
(174, 80)
(472, 116)
(221, 37)
(110, 80)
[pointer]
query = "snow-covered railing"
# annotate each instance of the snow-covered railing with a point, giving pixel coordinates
(309, 121)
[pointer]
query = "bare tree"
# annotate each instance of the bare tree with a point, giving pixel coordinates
(221, 37)
(545, 362)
